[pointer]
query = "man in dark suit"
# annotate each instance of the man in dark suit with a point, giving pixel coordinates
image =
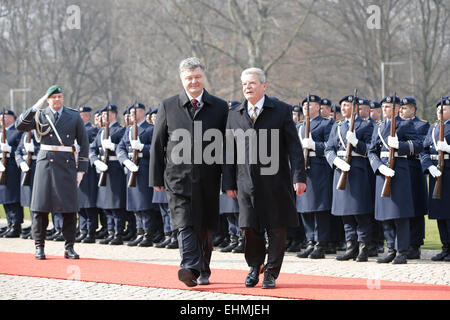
(57, 174)
(266, 196)
(192, 186)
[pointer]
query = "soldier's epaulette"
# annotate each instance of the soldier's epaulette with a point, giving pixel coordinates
(72, 109)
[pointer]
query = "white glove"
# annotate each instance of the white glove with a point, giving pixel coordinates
(434, 171)
(341, 164)
(130, 165)
(443, 146)
(40, 103)
(79, 178)
(2, 167)
(24, 167)
(100, 165)
(137, 145)
(393, 142)
(107, 144)
(29, 147)
(308, 143)
(386, 171)
(351, 137)
(5, 147)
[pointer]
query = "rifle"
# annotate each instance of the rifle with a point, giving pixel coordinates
(386, 191)
(307, 129)
(342, 183)
(102, 178)
(441, 162)
(26, 175)
(132, 180)
(4, 154)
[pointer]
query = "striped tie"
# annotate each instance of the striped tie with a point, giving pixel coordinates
(254, 113)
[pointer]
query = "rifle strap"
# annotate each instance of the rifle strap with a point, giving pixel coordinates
(434, 138)
(382, 139)
(340, 137)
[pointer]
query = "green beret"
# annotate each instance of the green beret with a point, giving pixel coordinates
(54, 89)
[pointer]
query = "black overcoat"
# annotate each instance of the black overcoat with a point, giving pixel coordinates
(266, 200)
(192, 189)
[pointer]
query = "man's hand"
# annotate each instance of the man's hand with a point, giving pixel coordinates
(5, 147)
(100, 165)
(79, 177)
(232, 193)
(341, 164)
(393, 142)
(29, 147)
(299, 188)
(443, 146)
(434, 171)
(159, 188)
(137, 145)
(107, 144)
(40, 103)
(309, 144)
(351, 137)
(130, 165)
(386, 171)
(24, 167)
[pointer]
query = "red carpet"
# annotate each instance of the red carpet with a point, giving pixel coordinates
(294, 286)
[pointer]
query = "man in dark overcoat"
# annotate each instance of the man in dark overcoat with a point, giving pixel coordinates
(264, 189)
(192, 186)
(57, 174)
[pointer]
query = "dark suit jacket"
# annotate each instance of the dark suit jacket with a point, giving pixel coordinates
(192, 189)
(266, 201)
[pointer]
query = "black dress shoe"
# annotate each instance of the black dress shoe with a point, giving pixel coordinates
(203, 280)
(350, 253)
(318, 252)
(401, 258)
(414, 253)
(90, 238)
(390, 256)
(164, 243)
(443, 254)
(305, 253)
(70, 253)
(253, 276)
(40, 254)
(269, 281)
(363, 255)
(188, 277)
(240, 247)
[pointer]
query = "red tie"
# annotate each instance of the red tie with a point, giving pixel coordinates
(195, 104)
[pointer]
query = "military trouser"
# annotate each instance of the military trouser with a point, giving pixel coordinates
(444, 230)
(396, 232)
(14, 213)
(358, 227)
(88, 219)
(40, 223)
(195, 249)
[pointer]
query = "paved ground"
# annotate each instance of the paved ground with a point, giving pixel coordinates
(13, 287)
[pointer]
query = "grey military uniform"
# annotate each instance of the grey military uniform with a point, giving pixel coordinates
(55, 187)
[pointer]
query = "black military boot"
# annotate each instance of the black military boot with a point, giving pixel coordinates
(130, 234)
(331, 248)
(443, 254)
(117, 240)
(108, 238)
(3, 230)
(40, 254)
(363, 255)
(233, 244)
(101, 234)
(295, 246)
(82, 236)
(90, 238)
(165, 242)
(401, 258)
(225, 242)
(305, 253)
(350, 253)
(6, 230)
(413, 252)
(173, 241)
(14, 232)
(390, 256)
(69, 252)
(218, 239)
(240, 247)
(139, 238)
(319, 251)
(147, 241)
(157, 236)
(372, 249)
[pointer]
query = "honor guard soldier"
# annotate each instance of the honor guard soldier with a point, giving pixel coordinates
(87, 191)
(408, 108)
(111, 196)
(170, 239)
(354, 202)
(336, 112)
(26, 157)
(439, 197)
(139, 194)
(395, 209)
(10, 175)
(375, 111)
(59, 168)
(315, 204)
(325, 109)
(297, 114)
(229, 208)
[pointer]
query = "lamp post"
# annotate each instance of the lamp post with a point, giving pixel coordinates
(383, 94)
(11, 96)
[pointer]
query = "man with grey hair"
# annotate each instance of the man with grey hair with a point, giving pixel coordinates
(192, 188)
(266, 200)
